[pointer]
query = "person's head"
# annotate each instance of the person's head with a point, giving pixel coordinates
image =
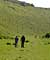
(16, 36)
(23, 36)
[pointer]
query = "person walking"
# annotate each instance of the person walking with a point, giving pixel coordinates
(16, 41)
(22, 41)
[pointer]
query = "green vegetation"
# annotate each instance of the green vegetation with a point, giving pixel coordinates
(16, 19)
(35, 49)
(30, 21)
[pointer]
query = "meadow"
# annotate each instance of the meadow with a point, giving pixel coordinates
(35, 49)
(29, 21)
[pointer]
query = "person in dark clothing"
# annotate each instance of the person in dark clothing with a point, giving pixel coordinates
(16, 41)
(22, 41)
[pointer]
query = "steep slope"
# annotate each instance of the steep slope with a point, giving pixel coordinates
(23, 20)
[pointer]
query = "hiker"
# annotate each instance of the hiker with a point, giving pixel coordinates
(22, 41)
(16, 41)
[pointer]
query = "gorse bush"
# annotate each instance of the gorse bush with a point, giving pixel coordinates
(47, 35)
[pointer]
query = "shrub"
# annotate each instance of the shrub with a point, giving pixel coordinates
(47, 35)
(0, 37)
(27, 41)
(48, 42)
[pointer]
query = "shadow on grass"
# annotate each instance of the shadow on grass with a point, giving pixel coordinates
(13, 44)
(20, 57)
(16, 59)
(21, 50)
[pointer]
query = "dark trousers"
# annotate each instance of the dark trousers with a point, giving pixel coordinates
(22, 44)
(15, 44)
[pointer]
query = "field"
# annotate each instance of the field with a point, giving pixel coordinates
(29, 21)
(35, 49)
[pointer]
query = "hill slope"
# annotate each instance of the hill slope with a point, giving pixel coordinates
(23, 20)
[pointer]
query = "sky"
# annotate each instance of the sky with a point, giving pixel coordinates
(39, 3)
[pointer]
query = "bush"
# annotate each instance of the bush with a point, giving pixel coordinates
(48, 42)
(47, 35)
(0, 38)
(27, 41)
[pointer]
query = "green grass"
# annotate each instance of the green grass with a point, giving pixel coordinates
(29, 21)
(16, 19)
(36, 49)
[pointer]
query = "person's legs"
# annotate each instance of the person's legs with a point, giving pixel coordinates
(22, 44)
(16, 44)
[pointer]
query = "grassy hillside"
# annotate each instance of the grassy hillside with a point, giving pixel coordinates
(18, 20)
(23, 20)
